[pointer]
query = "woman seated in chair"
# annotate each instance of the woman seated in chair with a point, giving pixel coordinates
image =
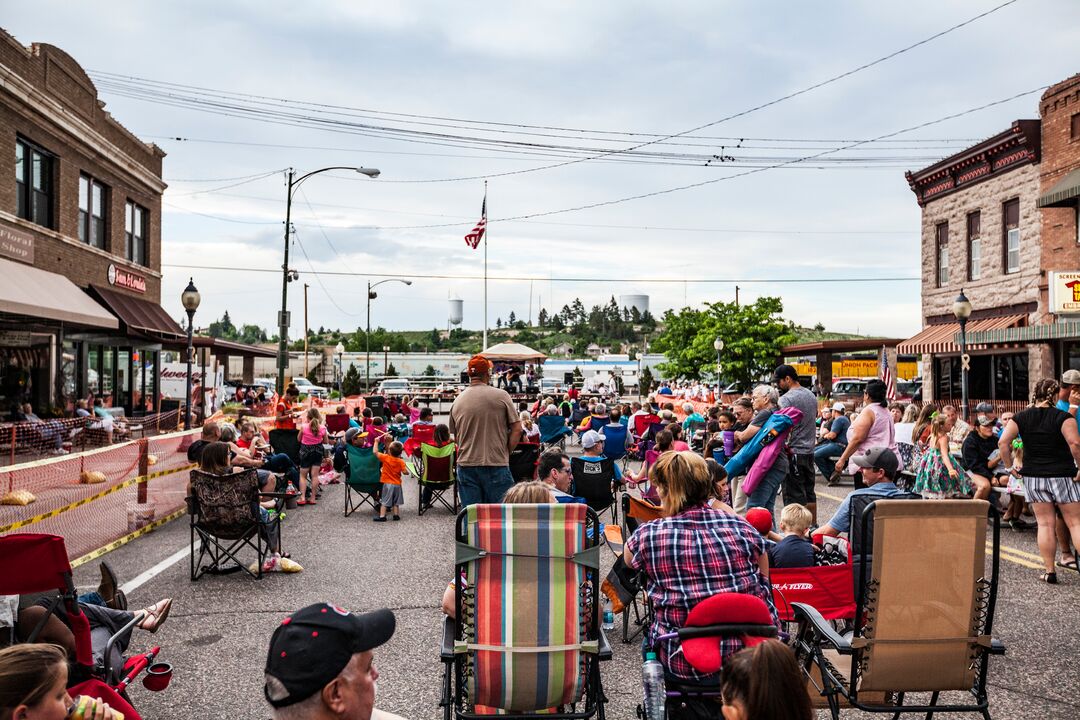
(693, 552)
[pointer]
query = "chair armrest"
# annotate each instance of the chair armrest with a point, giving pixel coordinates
(446, 653)
(604, 648)
(273, 494)
(997, 647)
(805, 613)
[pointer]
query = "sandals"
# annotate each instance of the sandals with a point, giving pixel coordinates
(155, 615)
(1071, 565)
(1049, 578)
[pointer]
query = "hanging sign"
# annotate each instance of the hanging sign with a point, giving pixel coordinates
(126, 279)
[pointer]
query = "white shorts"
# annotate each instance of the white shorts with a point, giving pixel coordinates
(1057, 490)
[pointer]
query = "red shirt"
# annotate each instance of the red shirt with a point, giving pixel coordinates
(288, 423)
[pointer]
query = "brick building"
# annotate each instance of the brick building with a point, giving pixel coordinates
(1000, 221)
(80, 242)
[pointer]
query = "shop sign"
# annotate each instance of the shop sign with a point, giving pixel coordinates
(1064, 293)
(15, 338)
(127, 280)
(16, 244)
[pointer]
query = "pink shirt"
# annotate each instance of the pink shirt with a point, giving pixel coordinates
(882, 433)
(309, 438)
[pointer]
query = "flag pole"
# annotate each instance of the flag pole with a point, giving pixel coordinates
(486, 231)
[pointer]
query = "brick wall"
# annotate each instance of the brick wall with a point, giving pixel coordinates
(1061, 155)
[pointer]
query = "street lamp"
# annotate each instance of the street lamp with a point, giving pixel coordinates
(190, 299)
(289, 275)
(371, 295)
(385, 363)
(340, 350)
(718, 345)
(962, 310)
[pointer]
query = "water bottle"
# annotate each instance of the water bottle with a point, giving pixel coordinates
(652, 676)
(609, 616)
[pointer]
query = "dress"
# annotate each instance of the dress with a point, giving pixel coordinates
(932, 479)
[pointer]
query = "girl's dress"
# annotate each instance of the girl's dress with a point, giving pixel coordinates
(932, 479)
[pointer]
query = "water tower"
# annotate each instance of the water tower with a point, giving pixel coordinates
(456, 311)
(641, 302)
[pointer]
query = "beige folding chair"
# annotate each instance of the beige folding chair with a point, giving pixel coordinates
(924, 616)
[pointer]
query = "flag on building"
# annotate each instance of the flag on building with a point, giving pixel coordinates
(886, 376)
(477, 233)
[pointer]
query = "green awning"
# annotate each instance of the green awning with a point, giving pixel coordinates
(1064, 193)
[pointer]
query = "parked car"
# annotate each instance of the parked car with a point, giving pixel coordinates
(394, 386)
(848, 391)
(307, 387)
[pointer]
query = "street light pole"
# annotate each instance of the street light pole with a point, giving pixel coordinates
(962, 311)
(286, 274)
(385, 363)
(718, 346)
(340, 350)
(190, 299)
(367, 335)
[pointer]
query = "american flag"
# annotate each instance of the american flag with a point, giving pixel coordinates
(477, 233)
(886, 376)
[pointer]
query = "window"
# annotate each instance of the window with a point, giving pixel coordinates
(942, 245)
(974, 224)
(135, 234)
(1011, 222)
(33, 183)
(1074, 133)
(92, 204)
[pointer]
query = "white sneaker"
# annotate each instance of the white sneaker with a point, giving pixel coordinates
(59, 451)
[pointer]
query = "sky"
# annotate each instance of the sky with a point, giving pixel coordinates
(415, 89)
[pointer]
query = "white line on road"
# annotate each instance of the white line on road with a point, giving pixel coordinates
(142, 578)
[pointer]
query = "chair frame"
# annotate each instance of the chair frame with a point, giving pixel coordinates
(366, 497)
(815, 634)
(643, 612)
(518, 451)
(438, 489)
(613, 506)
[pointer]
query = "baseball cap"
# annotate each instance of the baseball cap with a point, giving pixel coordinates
(350, 434)
(878, 457)
(591, 438)
(984, 421)
(479, 365)
(784, 371)
(1070, 377)
(312, 646)
(984, 407)
(839, 407)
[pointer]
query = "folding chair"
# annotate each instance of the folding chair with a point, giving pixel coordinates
(337, 423)
(225, 517)
(437, 476)
(615, 443)
(553, 430)
(421, 433)
(531, 645)
(523, 461)
(635, 512)
(924, 616)
(287, 442)
(363, 479)
(593, 481)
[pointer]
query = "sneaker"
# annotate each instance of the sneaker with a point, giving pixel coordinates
(379, 518)
(396, 518)
(59, 451)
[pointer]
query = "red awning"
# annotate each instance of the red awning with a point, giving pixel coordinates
(141, 317)
(940, 339)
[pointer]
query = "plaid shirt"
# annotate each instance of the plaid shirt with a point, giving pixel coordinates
(686, 558)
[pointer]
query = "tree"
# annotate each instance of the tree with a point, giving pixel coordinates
(513, 319)
(434, 339)
(557, 322)
(645, 381)
(542, 318)
(350, 383)
(430, 371)
(819, 327)
(753, 336)
(391, 371)
(577, 312)
(498, 322)
(222, 328)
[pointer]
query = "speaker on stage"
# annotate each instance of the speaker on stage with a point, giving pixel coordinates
(568, 379)
(464, 377)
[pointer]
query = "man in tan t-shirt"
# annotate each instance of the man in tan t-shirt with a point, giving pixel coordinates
(486, 428)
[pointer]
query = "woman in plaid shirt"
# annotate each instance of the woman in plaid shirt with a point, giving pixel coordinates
(692, 553)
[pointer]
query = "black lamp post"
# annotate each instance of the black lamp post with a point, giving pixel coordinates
(962, 310)
(340, 350)
(190, 299)
(385, 362)
(371, 295)
(718, 346)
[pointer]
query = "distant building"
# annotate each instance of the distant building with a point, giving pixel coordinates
(594, 350)
(563, 349)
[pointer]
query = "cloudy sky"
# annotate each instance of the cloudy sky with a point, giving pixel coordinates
(540, 97)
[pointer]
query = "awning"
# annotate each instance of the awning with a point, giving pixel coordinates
(943, 339)
(1064, 193)
(139, 316)
(512, 352)
(38, 293)
(1069, 330)
(229, 348)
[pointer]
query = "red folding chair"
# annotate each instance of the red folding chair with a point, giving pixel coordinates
(421, 434)
(337, 423)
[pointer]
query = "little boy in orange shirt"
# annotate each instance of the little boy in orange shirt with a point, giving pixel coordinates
(392, 469)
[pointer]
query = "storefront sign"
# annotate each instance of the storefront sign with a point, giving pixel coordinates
(1064, 293)
(14, 338)
(16, 244)
(127, 280)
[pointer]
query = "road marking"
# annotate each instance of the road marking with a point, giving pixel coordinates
(142, 578)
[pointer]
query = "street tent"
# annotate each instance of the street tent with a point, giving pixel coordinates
(512, 352)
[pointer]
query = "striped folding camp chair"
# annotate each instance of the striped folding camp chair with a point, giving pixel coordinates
(527, 640)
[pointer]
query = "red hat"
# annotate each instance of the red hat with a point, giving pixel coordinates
(479, 366)
(703, 653)
(760, 518)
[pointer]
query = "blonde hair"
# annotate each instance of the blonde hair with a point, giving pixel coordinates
(526, 419)
(683, 479)
(532, 492)
(796, 518)
(937, 425)
(314, 418)
(27, 673)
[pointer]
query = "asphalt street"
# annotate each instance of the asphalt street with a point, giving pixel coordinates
(218, 631)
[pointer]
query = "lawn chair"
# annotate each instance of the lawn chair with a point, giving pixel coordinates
(533, 643)
(287, 442)
(553, 431)
(437, 476)
(615, 444)
(636, 511)
(421, 434)
(33, 563)
(924, 615)
(523, 461)
(593, 481)
(642, 423)
(337, 423)
(362, 480)
(225, 517)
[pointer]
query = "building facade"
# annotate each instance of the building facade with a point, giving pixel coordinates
(80, 236)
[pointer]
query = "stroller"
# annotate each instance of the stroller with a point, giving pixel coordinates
(36, 563)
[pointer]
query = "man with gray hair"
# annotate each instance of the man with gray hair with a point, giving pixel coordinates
(764, 399)
(799, 483)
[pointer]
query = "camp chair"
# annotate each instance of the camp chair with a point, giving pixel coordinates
(636, 511)
(420, 434)
(592, 481)
(287, 442)
(437, 476)
(553, 430)
(225, 517)
(337, 423)
(826, 588)
(34, 563)
(642, 423)
(533, 643)
(924, 615)
(523, 461)
(615, 443)
(363, 479)
(861, 537)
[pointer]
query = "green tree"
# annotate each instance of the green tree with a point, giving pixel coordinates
(512, 320)
(753, 336)
(645, 381)
(557, 322)
(434, 339)
(430, 371)
(222, 328)
(498, 322)
(252, 335)
(350, 383)
(391, 371)
(542, 318)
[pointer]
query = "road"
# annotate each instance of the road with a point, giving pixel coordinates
(217, 634)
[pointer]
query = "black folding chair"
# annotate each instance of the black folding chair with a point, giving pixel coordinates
(593, 481)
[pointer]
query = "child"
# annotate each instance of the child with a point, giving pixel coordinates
(794, 549)
(375, 432)
(939, 475)
(720, 492)
(750, 677)
(530, 432)
(392, 468)
(312, 437)
(399, 429)
(414, 411)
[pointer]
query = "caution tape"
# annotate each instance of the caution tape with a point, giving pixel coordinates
(150, 527)
(96, 496)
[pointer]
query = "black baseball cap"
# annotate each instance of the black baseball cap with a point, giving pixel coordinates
(784, 371)
(878, 457)
(313, 645)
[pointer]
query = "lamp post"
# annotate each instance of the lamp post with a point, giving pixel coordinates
(385, 364)
(289, 275)
(962, 310)
(340, 350)
(190, 299)
(718, 345)
(371, 295)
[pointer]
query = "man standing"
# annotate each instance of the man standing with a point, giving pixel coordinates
(798, 486)
(486, 428)
(834, 440)
(1069, 392)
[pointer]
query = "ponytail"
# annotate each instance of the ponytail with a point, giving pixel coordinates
(766, 680)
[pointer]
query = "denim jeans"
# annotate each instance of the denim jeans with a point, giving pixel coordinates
(764, 495)
(822, 453)
(282, 464)
(483, 484)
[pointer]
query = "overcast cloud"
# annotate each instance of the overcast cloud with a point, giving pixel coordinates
(620, 66)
